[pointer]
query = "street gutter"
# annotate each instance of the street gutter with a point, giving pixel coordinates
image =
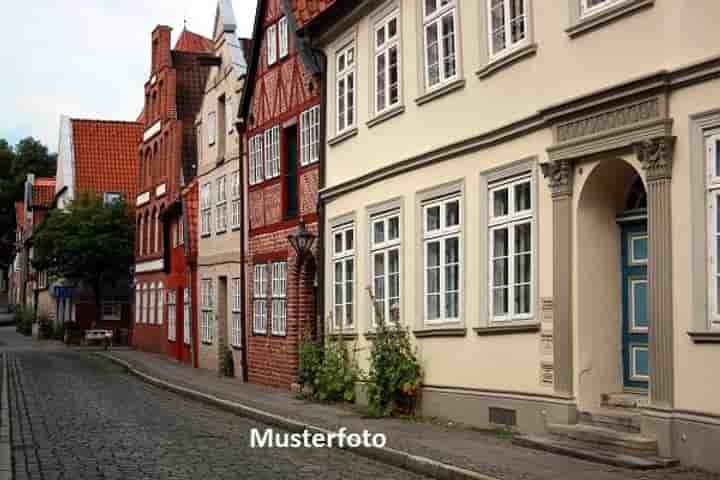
(397, 458)
(6, 467)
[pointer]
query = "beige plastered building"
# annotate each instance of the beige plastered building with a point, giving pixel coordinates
(535, 198)
(221, 218)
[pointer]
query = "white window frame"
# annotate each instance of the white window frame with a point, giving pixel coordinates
(712, 145)
(510, 46)
(156, 239)
(212, 127)
(272, 152)
(310, 136)
(207, 295)
(442, 235)
(389, 43)
(342, 257)
(138, 304)
(385, 248)
(283, 38)
(236, 215)
(221, 210)
(586, 11)
(152, 302)
(271, 42)
(236, 330)
(171, 314)
(509, 221)
(435, 18)
(206, 209)
(279, 298)
(260, 298)
(256, 149)
(111, 197)
(160, 299)
(187, 316)
(229, 114)
(343, 76)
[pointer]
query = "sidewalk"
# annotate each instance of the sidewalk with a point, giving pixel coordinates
(430, 448)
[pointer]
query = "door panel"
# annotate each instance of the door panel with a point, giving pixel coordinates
(635, 305)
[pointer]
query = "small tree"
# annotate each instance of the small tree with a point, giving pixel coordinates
(89, 242)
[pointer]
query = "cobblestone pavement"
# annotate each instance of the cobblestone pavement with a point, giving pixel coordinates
(76, 417)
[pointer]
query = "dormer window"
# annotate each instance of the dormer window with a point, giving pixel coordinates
(111, 197)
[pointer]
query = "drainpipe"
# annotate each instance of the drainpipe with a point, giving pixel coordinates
(239, 129)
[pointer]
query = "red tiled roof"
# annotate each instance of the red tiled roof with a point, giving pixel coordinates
(192, 42)
(43, 192)
(19, 213)
(106, 154)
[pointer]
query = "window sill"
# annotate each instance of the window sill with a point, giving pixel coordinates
(259, 334)
(236, 347)
(385, 116)
(205, 342)
(337, 139)
(344, 336)
(595, 20)
(440, 92)
(220, 232)
(707, 336)
(205, 235)
(508, 329)
(440, 332)
(278, 335)
(510, 58)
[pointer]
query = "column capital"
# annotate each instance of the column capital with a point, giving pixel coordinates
(559, 175)
(656, 157)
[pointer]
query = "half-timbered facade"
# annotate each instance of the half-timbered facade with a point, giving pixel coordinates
(167, 164)
(281, 119)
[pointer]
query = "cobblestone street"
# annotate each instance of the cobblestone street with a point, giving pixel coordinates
(75, 416)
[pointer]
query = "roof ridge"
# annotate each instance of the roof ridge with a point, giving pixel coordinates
(98, 120)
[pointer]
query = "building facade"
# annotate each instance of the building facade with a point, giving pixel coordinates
(533, 206)
(95, 157)
(167, 163)
(221, 212)
(280, 116)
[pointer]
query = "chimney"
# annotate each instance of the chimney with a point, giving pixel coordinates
(160, 48)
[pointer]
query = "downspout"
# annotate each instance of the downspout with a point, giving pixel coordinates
(321, 206)
(239, 129)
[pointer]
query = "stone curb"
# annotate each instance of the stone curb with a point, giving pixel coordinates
(391, 456)
(6, 468)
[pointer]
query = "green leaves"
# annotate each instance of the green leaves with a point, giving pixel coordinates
(330, 372)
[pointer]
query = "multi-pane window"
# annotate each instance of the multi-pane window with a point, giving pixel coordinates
(385, 261)
(235, 200)
(387, 63)
(171, 315)
(345, 88)
(206, 306)
(508, 24)
(187, 319)
(256, 159)
(272, 152)
(588, 7)
(236, 332)
(138, 304)
(439, 27)
(713, 223)
(221, 204)
(442, 259)
(211, 127)
(159, 308)
(271, 42)
(511, 249)
(279, 298)
(156, 246)
(343, 255)
(205, 209)
(152, 301)
(181, 230)
(310, 136)
(229, 114)
(260, 299)
(283, 36)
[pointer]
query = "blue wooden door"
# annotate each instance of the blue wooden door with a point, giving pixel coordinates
(635, 304)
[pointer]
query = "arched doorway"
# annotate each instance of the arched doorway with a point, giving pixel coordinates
(611, 281)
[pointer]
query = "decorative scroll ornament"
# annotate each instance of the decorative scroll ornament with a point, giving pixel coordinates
(559, 176)
(656, 157)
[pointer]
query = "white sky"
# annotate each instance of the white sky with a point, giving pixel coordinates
(86, 58)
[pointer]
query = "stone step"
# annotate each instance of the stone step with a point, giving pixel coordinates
(606, 438)
(622, 420)
(624, 400)
(583, 452)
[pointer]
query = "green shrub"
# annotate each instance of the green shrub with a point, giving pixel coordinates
(330, 372)
(227, 365)
(24, 317)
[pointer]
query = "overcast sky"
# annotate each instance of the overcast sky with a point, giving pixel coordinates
(86, 58)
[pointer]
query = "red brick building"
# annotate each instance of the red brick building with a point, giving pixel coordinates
(280, 113)
(165, 260)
